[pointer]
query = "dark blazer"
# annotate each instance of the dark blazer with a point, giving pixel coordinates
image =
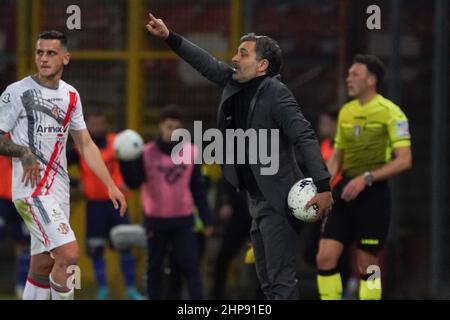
(272, 107)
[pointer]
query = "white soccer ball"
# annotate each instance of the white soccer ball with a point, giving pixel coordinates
(128, 145)
(298, 197)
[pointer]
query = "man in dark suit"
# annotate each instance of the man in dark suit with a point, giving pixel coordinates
(255, 98)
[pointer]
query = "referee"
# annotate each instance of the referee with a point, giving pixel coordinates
(372, 145)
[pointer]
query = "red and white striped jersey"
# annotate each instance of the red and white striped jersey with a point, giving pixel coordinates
(40, 118)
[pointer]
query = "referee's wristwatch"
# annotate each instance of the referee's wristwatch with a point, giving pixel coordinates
(369, 178)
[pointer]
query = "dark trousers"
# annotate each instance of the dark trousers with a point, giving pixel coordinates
(181, 239)
(274, 239)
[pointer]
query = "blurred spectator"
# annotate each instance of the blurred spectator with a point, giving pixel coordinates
(169, 192)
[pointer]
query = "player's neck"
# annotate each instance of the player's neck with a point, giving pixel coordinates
(48, 82)
(367, 97)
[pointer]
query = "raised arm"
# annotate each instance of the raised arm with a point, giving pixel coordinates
(214, 70)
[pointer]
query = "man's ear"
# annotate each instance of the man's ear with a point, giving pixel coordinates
(66, 58)
(372, 80)
(263, 65)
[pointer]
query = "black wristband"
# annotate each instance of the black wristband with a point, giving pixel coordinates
(174, 40)
(323, 185)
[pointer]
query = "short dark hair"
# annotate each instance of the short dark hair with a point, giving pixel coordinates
(54, 35)
(266, 48)
(374, 65)
(172, 112)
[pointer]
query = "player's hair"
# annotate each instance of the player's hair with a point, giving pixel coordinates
(171, 111)
(54, 35)
(266, 48)
(374, 65)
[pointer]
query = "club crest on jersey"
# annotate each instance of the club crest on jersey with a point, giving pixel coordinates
(56, 111)
(63, 228)
(357, 130)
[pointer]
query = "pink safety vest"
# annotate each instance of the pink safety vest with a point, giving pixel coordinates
(166, 191)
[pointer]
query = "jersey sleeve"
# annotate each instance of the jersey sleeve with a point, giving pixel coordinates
(398, 128)
(77, 120)
(10, 109)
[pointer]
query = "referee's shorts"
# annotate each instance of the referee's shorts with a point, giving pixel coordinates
(364, 220)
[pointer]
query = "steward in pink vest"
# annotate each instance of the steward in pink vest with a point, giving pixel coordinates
(169, 192)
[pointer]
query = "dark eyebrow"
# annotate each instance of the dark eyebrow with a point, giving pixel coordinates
(243, 49)
(48, 51)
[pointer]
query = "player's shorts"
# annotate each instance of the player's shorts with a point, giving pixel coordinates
(48, 222)
(101, 217)
(10, 221)
(364, 220)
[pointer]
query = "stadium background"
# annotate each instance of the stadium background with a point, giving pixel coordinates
(116, 66)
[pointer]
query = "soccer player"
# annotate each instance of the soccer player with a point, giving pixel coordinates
(39, 111)
(10, 217)
(254, 98)
(372, 145)
(101, 216)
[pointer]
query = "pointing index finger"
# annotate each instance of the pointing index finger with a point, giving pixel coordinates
(152, 18)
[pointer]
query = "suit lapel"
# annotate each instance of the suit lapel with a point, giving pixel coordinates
(229, 91)
(253, 102)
